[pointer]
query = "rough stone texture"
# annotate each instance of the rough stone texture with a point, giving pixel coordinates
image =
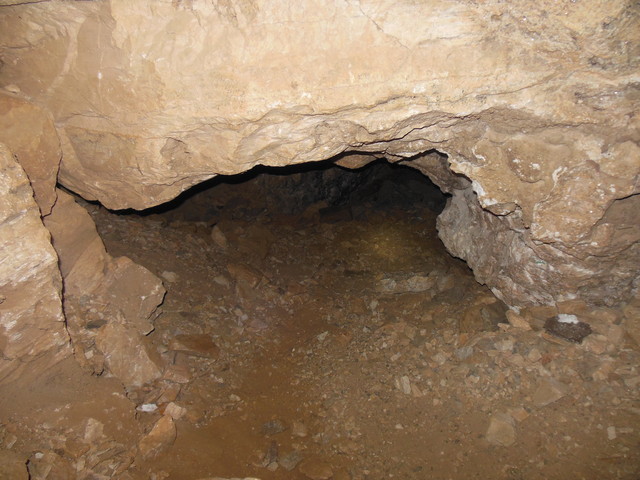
(31, 320)
(127, 355)
(29, 133)
(161, 437)
(101, 290)
(501, 431)
(533, 102)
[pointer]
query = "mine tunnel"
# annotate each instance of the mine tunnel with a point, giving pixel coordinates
(250, 240)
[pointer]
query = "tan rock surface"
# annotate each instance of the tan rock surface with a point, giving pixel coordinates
(161, 437)
(533, 102)
(127, 355)
(31, 319)
(30, 134)
(101, 290)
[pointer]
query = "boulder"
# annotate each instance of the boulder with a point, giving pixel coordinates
(31, 319)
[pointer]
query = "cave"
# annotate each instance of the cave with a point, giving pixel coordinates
(273, 240)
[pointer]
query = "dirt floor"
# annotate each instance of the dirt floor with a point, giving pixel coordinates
(347, 344)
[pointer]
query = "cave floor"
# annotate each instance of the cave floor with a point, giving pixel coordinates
(353, 347)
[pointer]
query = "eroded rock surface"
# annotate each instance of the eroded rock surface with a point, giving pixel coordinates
(29, 133)
(110, 304)
(534, 104)
(31, 320)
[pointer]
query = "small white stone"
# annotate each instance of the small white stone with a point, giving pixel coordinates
(169, 276)
(611, 433)
(566, 318)
(405, 383)
(148, 407)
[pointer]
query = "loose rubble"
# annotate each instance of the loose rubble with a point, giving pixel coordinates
(351, 350)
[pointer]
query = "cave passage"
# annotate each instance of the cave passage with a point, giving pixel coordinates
(280, 284)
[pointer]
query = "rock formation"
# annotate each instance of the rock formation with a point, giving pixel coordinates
(109, 303)
(533, 103)
(36, 322)
(31, 321)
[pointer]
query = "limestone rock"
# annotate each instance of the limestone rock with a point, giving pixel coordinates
(245, 274)
(98, 288)
(161, 437)
(49, 465)
(549, 390)
(517, 321)
(219, 237)
(175, 411)
(31, 319)
(501, 431)
(127, 355)
(198, 345)
(29, 132)
(533, 104)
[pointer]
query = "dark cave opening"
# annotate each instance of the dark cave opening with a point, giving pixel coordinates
(333, 191)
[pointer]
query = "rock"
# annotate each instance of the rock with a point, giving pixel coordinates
(272, 427)
(175, 411)
(290, 460)
(244, 274)
(518, 413)
(316, 469)
(256, 242)
(177, 374)
(517, 321)
(596, 344)
(197, 345)
(48, 466)
(464, 352)
(127, 355)
(549, 390)
(632, 320)
(534, 355)
(93, 431)
(169, 393)
(614, 334)
(523, 198)
(611, 433)
(219, 238)
(501, 431)
(536, 316)
(29, 133)
(170, 277)
(400, 284)
(31, 319)
(405, 385)
(299, 429)
(567, 327)
(160, 438)
(98, 288)
(222, 280)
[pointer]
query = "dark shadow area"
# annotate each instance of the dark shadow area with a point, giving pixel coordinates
(293, 189)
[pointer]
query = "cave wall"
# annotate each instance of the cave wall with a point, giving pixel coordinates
(534, 104)
(32, 322)
(61, 293)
